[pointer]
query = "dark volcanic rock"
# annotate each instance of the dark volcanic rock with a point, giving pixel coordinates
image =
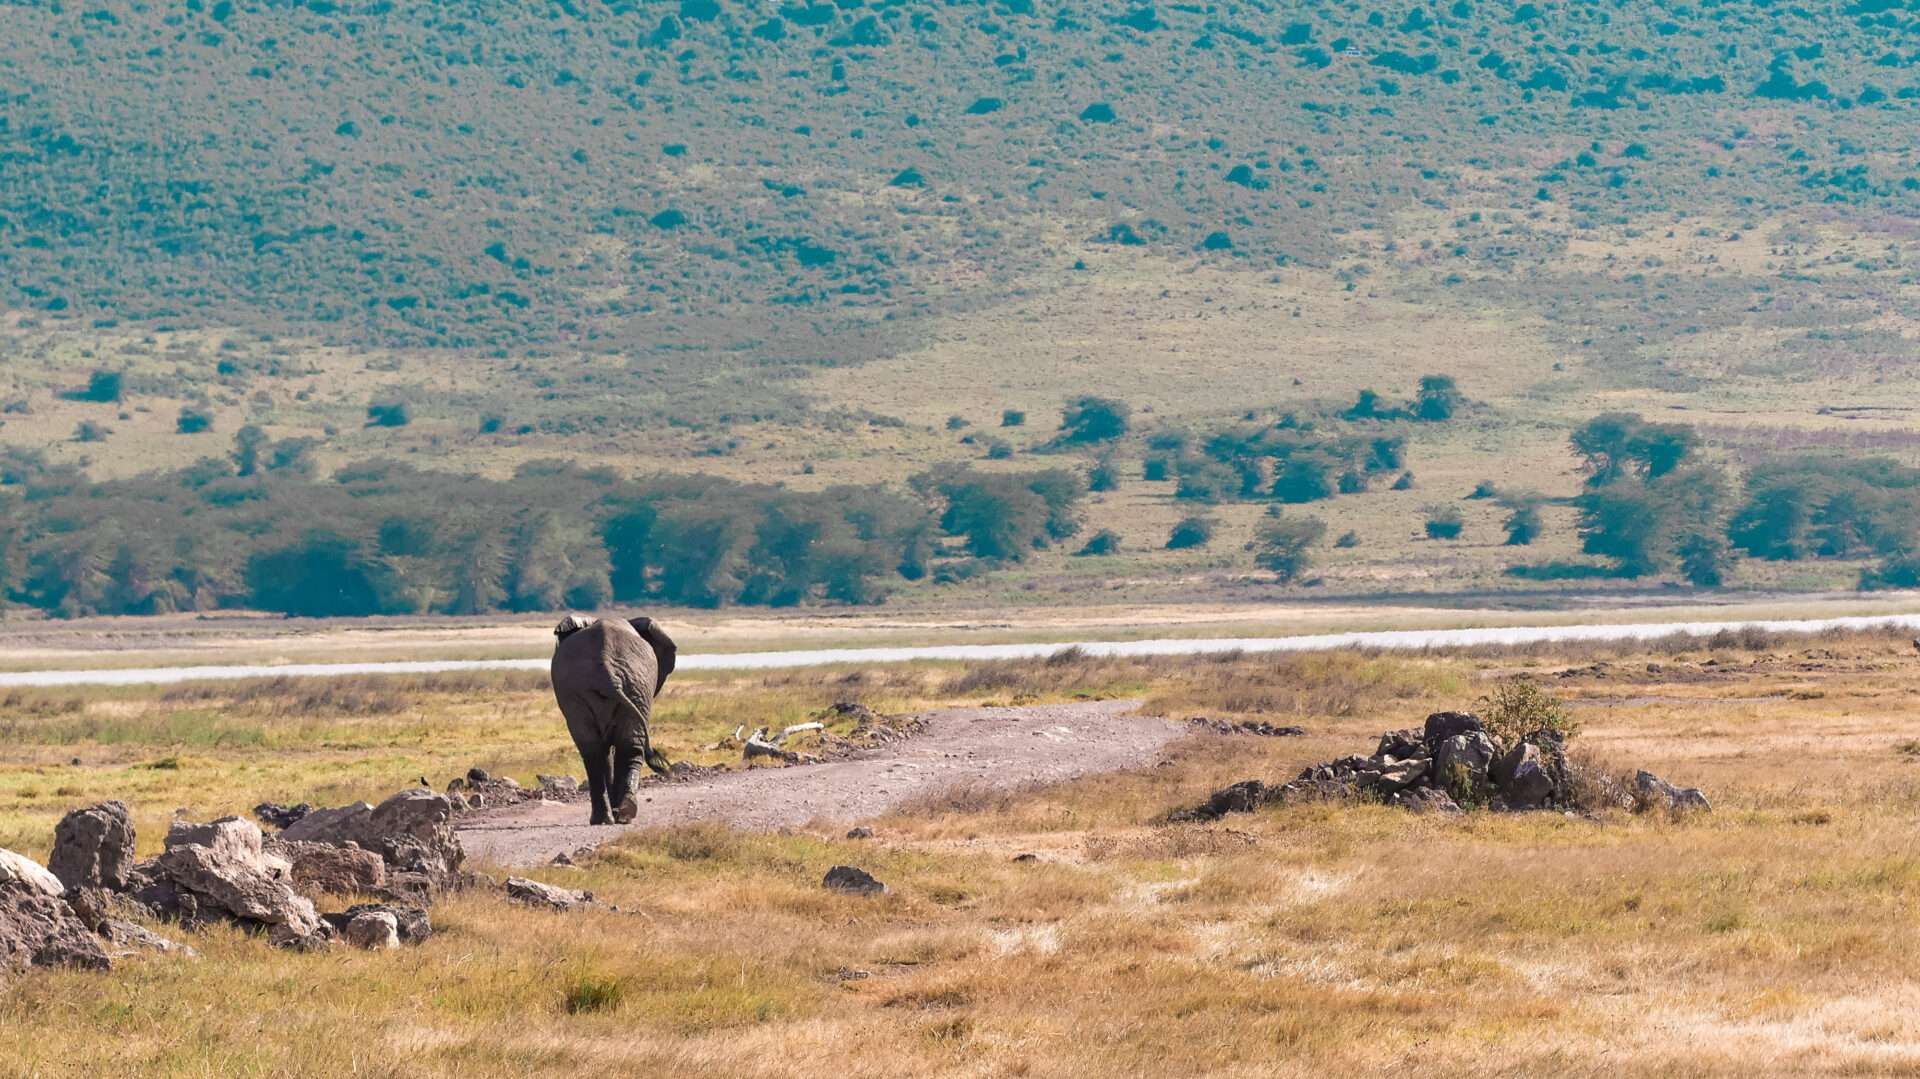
(846, 878)
(1444, 725)
(1243, 797)
(281, 816)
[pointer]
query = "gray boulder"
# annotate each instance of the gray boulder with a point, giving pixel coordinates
(1400, 745)
(411, 923)
(1465, 755)
(93, 847)
(126, 938)
(1399, 775)
(1522, 778)
(1658, 793)
(373, 930)
(412, 832)
(220, 870)
(38, 930)
(322, 868)
(535, 894)
(1425, 800)
(1444, 725)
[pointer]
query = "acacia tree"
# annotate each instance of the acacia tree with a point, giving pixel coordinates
(1284, 545)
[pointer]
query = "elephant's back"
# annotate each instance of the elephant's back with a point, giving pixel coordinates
(606, 656)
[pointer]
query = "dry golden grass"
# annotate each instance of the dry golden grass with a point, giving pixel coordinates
(1761, 939)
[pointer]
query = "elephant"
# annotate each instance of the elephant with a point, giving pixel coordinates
(605, 676)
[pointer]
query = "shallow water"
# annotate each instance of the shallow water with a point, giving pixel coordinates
(1386, 639)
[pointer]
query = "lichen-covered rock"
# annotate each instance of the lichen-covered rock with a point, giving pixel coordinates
(93, 847)
(38, 930)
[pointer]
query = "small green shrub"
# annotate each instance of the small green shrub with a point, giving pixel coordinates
(1517, 707)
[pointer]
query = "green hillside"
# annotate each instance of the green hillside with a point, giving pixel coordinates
(820, 247)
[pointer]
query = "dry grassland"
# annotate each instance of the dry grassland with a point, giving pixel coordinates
(1764, 938)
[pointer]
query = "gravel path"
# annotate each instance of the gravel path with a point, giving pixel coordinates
(993, 747)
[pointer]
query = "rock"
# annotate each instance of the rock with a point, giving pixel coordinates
(1027, 856)
(477, 774)
(322, 868)
(1243, 797)
(862, 832)
(222, 867)
(562, 859)
(535, 894)
(1399, 775)
(37, 929)
(1522, 778)
(1464, 755)
(845, 878)
(559, 784)
(411, 923)
(1402, 744)
(20, 870)
(1425, 800)
(330, 825)
(281, 816)
(411, 831)
(1444, 725)
(129, 939)
(1656, 792)
(476, 800)
(374, 930)
(93, 847)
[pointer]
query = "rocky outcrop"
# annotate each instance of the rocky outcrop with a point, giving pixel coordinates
(373, 930)
(281, 816)
(93, 847)
(1450, 762)
(1258, 728)
(410, 923)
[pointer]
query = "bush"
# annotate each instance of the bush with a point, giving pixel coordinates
(1103, 542)
(1154, 470)
(1013, 417)
(1404, 483)
(388, 412)
(1523, 524)
(193, 421)
(998, 449)
(1103, 476)
(1444, 522)
(89, 431)
(1439, 399)
(1518, 707)
(1190, 532)
(1348, 539)
(1284, 545)
(955, 423)
(594, 993)
(103, 387)
(491, 423)
(1093, 419)
(1484, 489)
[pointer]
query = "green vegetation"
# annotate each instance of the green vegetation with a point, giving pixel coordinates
(1284, 546)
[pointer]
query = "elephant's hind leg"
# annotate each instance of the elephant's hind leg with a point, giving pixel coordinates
(624, 795)
(595, 760)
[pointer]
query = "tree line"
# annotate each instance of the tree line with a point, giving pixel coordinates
(259, 530)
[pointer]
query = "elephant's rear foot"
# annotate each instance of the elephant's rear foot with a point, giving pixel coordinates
(628, 809)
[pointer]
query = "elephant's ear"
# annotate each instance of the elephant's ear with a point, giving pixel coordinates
(570, 625)
(664, 650)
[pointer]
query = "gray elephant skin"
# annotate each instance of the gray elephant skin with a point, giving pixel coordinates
(605, 676)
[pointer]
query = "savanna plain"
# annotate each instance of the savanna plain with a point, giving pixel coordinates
(1329, 938)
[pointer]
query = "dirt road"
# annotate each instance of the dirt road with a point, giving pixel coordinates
(999, 748)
